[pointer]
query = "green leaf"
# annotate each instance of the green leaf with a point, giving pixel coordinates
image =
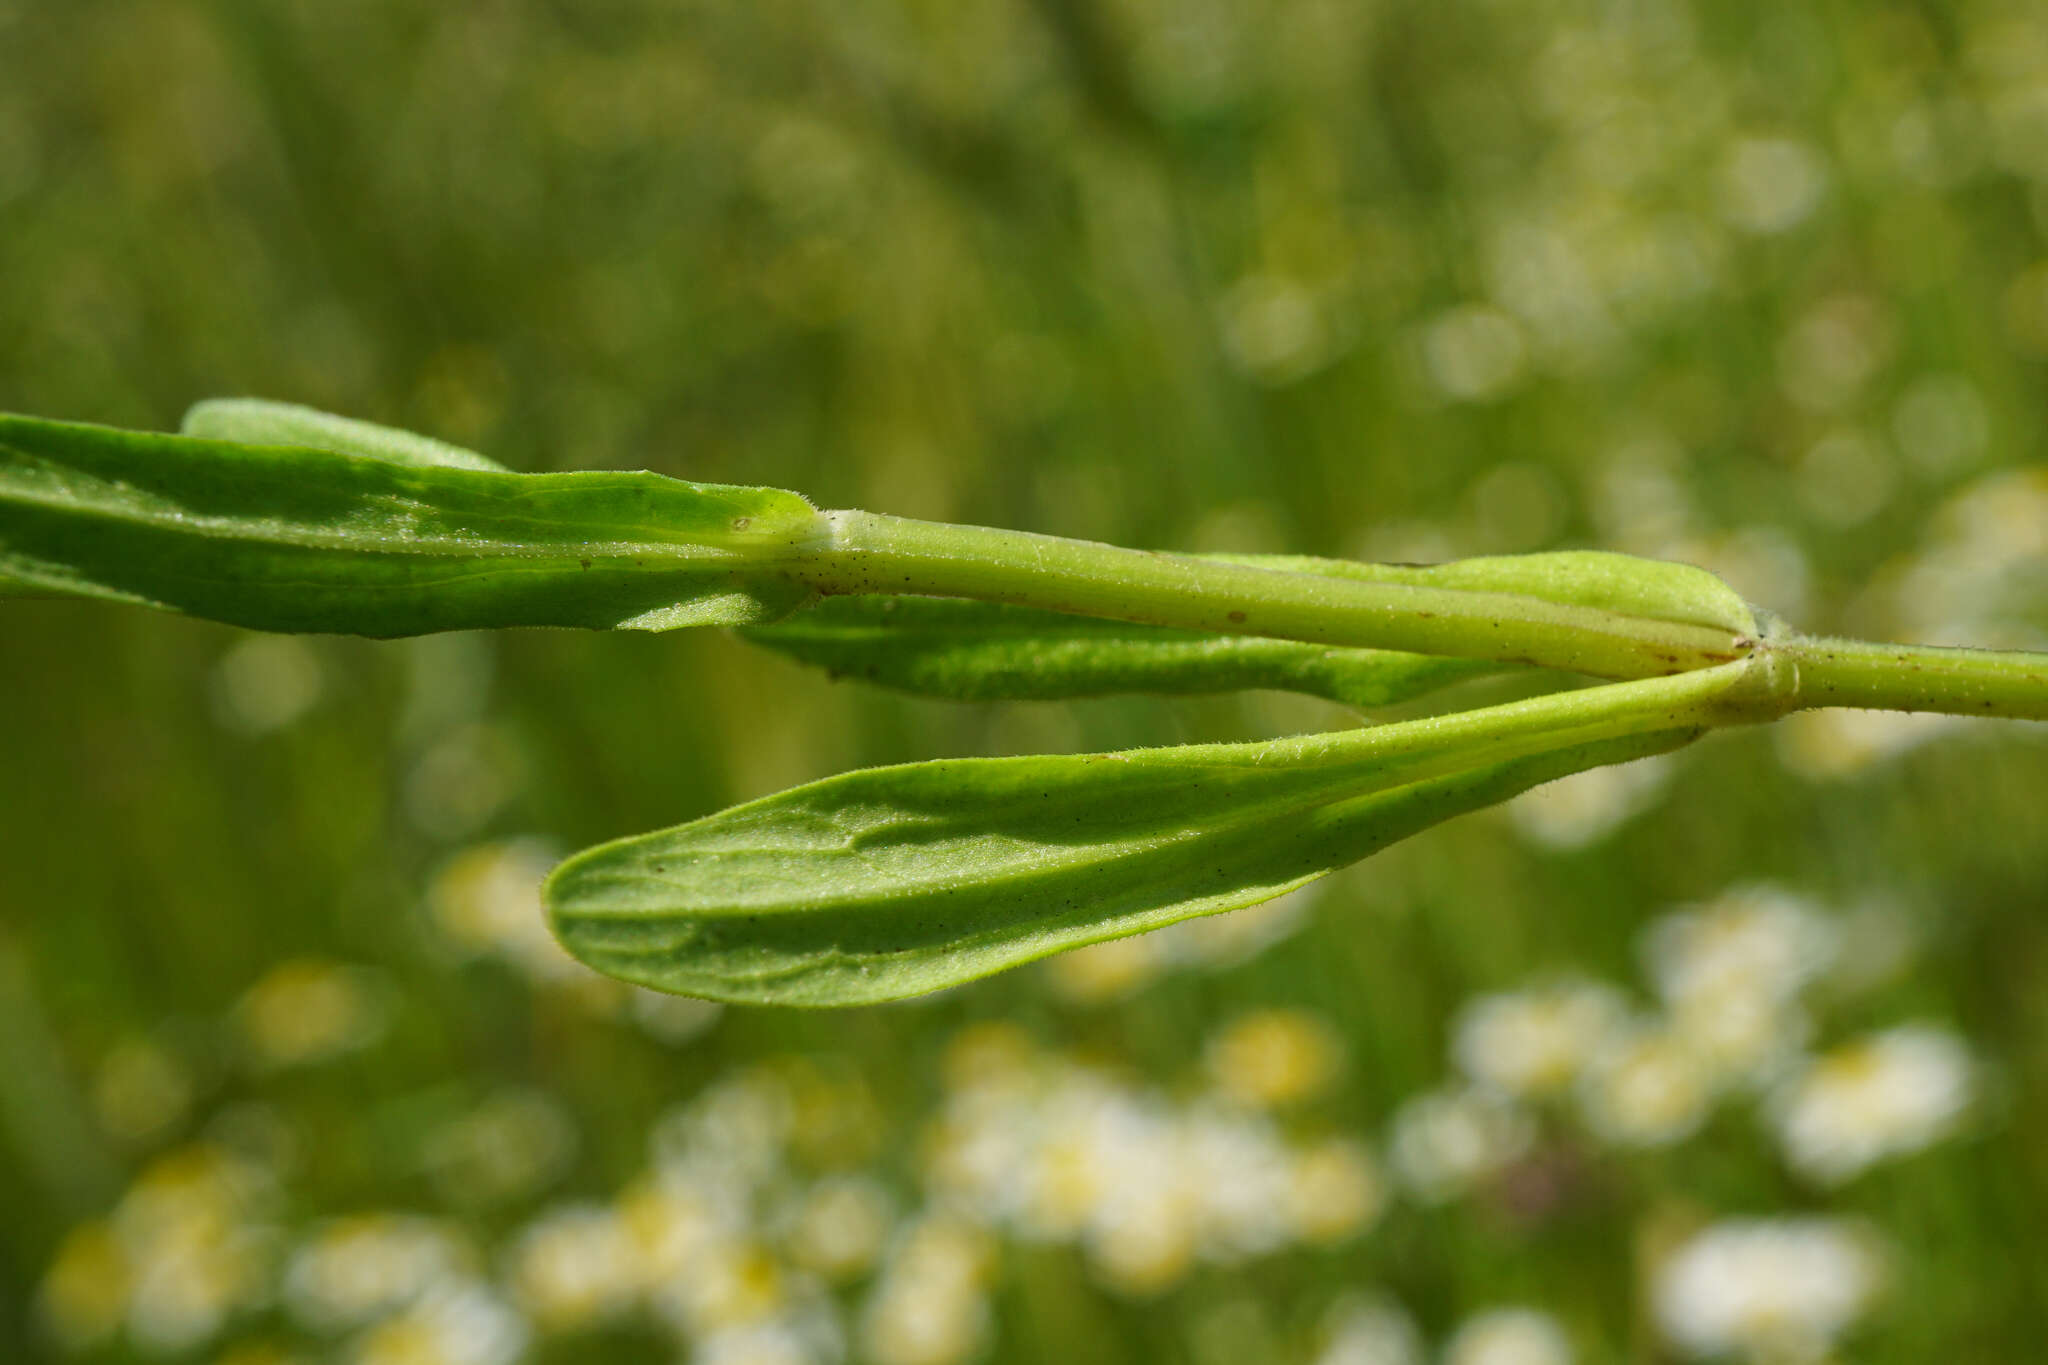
(985, 651)
(293, 538)
(1657, 589)
(890, 882)
(261, 422)
(976, 651)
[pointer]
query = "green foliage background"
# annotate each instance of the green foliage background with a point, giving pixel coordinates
(1762, 285)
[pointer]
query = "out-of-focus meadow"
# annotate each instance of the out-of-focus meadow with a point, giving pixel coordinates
(1745, 1051)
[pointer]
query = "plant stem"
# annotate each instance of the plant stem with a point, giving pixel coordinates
(1961, 682)
(866, 552)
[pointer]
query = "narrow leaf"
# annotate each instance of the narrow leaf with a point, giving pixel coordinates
(1657, 589)
(262, 422)
(985, 651)
(299, 539)
(890, 882)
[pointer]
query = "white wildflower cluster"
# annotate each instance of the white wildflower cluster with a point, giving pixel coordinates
(1445, 1142)
(352, 1272)
(188, 1251)
(1050, 1150)
(1881, 1096)
(1731, 1021)
(1377, 1331)
(930, 1306)
(464, 1323)
(1509, 1336)
(188, 1248)
(723, 1241)
(764, 1230)
(1773, 1290)
(1730, 975)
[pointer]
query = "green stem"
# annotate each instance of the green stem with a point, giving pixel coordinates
(866, 552)
(1961, 682)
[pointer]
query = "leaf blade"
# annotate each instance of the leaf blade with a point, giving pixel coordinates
(889, 882)
(986, 651)
(263, 422)
(303, 539)
(1628, 585)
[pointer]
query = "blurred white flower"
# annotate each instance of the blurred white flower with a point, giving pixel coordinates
(1846, 478)
(733, 1283)
(1753, 938)
(84, 1293)
(1444, 1142)
(185, 1295)
(1057, 1151)
(800, 1338)
(841, 1226)
(265, 682)
(1108, 971)
(1646, 1088)
(1731, 972)
(1239, 1176)
(1966, 585)
(1776, 1289)
(486, 899)
(462, 778)
(1473, 354)
(672, 1019)
(1274, 328)
(1839, 742)
(353, 1270)
(681, 1218)
(1770, 184)
(1274, 1057)
(1941, 423)
(461, 1323)
(184, 1250)
(930, 1306)
(740, 1125)
(510, 1145)
(1509, 1336)
(308, 1010)
(1111, 970)
(1740, 1033)
(1579, 810)
(1145, 1240)
(1335, 1191)
(1533, 1043)
(1369, 1331)
(261, 1352)
(1833, 350)
(1882, 1096)
(573, 1266)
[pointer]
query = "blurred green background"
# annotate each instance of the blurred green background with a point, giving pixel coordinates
(1743, 1051)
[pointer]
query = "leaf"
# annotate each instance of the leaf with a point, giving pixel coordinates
(975, 651)
(300, 539)
(984, 651)
(890, 882)
(1658, 589)
(259, 421)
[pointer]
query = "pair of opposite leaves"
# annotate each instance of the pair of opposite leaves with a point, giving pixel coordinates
(880, 883)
